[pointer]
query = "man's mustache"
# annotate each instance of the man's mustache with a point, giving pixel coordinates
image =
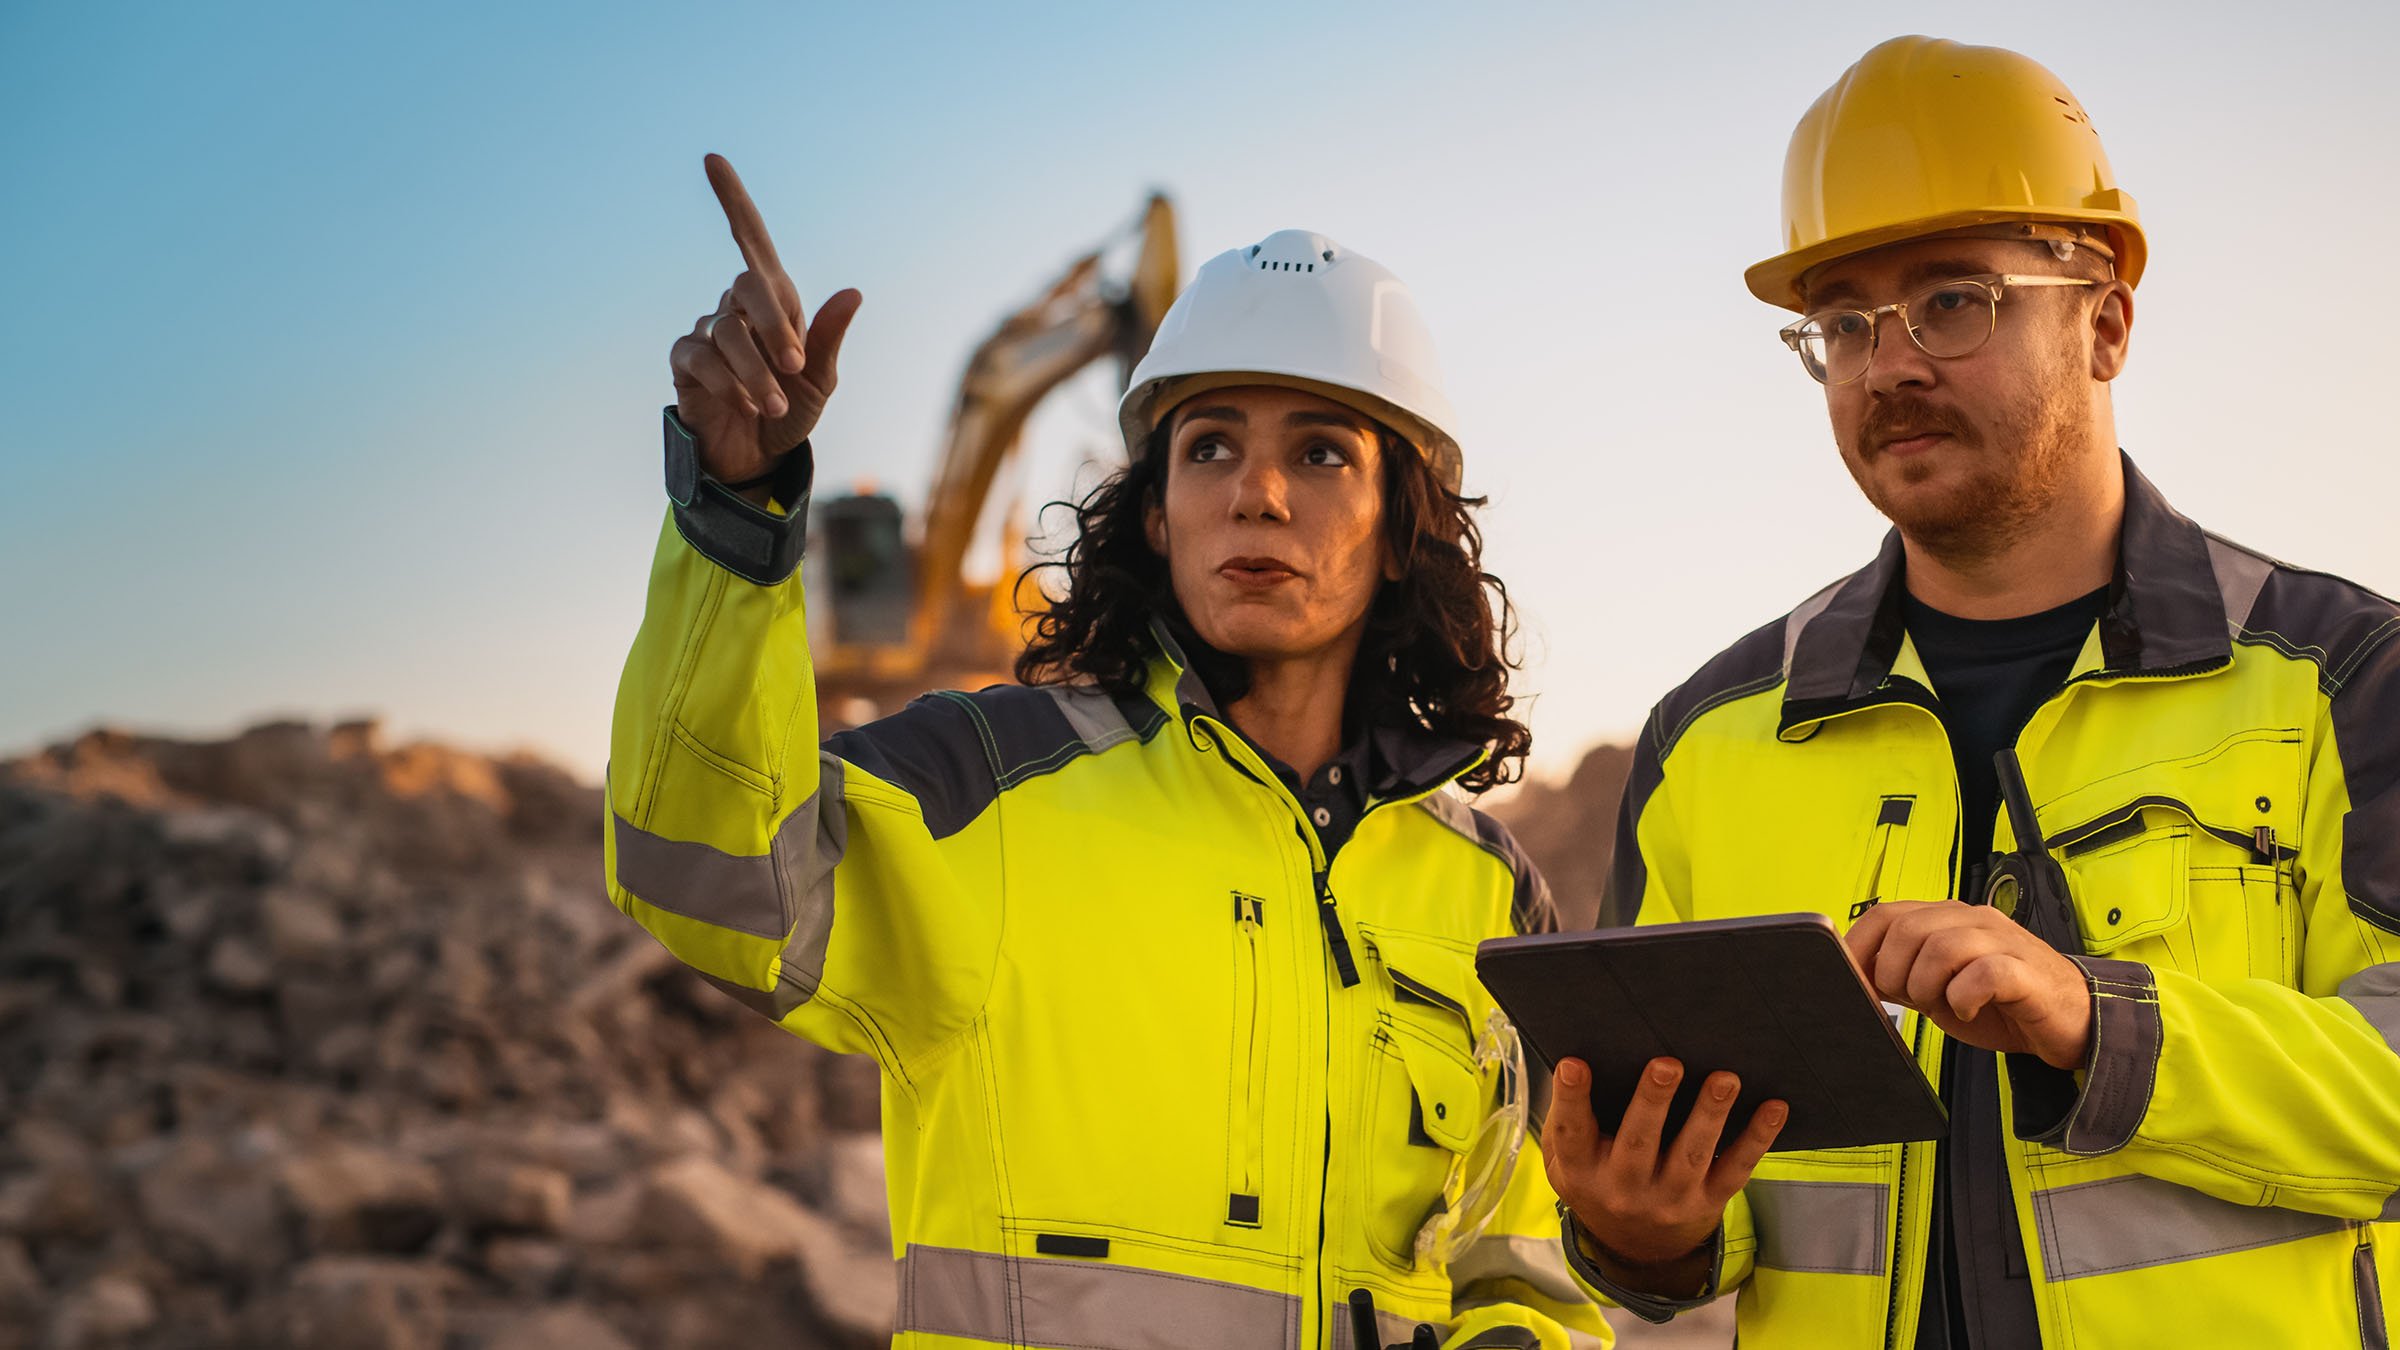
(1901, 416)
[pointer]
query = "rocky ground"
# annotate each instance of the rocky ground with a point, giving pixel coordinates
(306, 1041)
(311, 1041)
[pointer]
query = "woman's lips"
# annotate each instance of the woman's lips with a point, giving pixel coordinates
(1256, 573)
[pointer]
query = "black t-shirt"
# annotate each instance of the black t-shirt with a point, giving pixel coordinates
(1989, 675)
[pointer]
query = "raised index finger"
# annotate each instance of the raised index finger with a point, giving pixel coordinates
(741, 213)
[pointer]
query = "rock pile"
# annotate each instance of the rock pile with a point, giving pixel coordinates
(307, 1041)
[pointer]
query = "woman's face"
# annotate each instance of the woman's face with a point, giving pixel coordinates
(1272, 521)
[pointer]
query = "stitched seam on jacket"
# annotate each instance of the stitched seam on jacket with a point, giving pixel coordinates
(679, 684)
(1710, 704)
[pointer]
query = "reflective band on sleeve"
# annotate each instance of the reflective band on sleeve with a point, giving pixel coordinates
(1829, 1227)
(2127, 1223)
(2375, 992)
(746, 893)
(1036, 1301)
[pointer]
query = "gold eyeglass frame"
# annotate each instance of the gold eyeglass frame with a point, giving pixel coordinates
(1994, 285)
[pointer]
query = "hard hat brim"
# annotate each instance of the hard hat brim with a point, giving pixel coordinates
(1150, 406)
(1776, 280)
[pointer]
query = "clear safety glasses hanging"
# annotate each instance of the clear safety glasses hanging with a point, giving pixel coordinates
(1479, 1177)
(1945, 320)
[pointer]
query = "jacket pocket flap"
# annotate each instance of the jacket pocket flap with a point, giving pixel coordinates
(1449, 1092)
(2134, 885)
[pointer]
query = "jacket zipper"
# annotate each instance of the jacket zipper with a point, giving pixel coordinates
(2372, 1319)
(1245, 1160)
(1891, 818)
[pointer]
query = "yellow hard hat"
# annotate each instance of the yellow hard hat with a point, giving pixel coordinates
(1924, 136)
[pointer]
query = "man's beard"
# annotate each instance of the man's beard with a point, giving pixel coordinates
(2014, 473)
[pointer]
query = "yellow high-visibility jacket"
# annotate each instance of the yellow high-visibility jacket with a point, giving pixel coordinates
(1129, 1099)
(2220, 779)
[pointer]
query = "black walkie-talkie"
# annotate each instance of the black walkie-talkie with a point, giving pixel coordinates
(2027, 884)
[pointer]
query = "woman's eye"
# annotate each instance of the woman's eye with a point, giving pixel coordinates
(1328, 455)
(1207, 448)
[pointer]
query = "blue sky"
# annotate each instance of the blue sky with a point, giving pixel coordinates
(335, 335)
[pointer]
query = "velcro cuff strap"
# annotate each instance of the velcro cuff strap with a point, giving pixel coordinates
(728, 529)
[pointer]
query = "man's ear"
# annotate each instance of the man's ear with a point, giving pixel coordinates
(2112, 331)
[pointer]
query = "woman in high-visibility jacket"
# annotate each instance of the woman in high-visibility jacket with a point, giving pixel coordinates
(1165, 954)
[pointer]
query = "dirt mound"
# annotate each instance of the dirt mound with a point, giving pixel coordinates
(310, 1041)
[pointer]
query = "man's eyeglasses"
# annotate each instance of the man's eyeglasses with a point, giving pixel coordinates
(1945, 319)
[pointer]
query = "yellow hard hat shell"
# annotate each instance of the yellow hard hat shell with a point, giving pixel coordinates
(1923, 136)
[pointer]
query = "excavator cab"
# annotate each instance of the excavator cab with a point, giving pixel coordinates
(904, 617)
(870, 574)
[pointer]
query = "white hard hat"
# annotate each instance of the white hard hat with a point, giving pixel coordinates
(1300, 311)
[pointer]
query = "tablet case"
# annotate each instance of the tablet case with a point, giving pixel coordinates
(1771, 998)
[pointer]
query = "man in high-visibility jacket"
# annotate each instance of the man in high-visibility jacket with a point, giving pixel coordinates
(1165, 955)
(2160, 992)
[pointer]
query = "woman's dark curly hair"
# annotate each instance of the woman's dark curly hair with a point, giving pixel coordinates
(1436, 653)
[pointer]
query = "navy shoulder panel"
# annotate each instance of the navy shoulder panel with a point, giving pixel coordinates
(1759, 661)
(1749, 666)
(2313, 616)
(2353, 637)
(933, 751)
(955, 752)
(1531, 909)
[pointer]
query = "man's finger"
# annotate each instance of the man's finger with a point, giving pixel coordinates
(1733, 1167)
(741, 214)
(1995, 979)
(1896, 956)
(1865, 935)
(1633, 1153)
(1696, 1144)
(1571, 1136)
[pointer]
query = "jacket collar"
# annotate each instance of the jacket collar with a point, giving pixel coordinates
(2164, 614)
(1408, 760)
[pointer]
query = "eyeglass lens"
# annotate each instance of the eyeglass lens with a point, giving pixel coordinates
(1946, 319)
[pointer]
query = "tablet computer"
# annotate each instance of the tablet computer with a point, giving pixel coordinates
(1772, 998)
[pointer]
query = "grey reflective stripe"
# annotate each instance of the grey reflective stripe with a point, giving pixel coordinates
(1064, 1302)
(2128, 1223)
(2241, 575)
(2391, 1209)
(1828, 1227)
(1389, 1329)
(1094, 716)
(743, 892)
(1800, 619)
(1540, 1264)
(2375, 992)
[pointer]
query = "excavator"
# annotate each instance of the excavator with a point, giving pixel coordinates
(901, 614)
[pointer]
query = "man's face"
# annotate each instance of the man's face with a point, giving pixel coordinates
(1272, 520)
(1959, 452)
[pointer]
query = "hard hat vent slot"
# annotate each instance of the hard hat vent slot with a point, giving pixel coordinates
(1270, 265)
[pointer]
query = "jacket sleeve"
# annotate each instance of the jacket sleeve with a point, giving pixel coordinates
(1649, 881)
(1511, 1287)
(847, 892)
(2252, 1091)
